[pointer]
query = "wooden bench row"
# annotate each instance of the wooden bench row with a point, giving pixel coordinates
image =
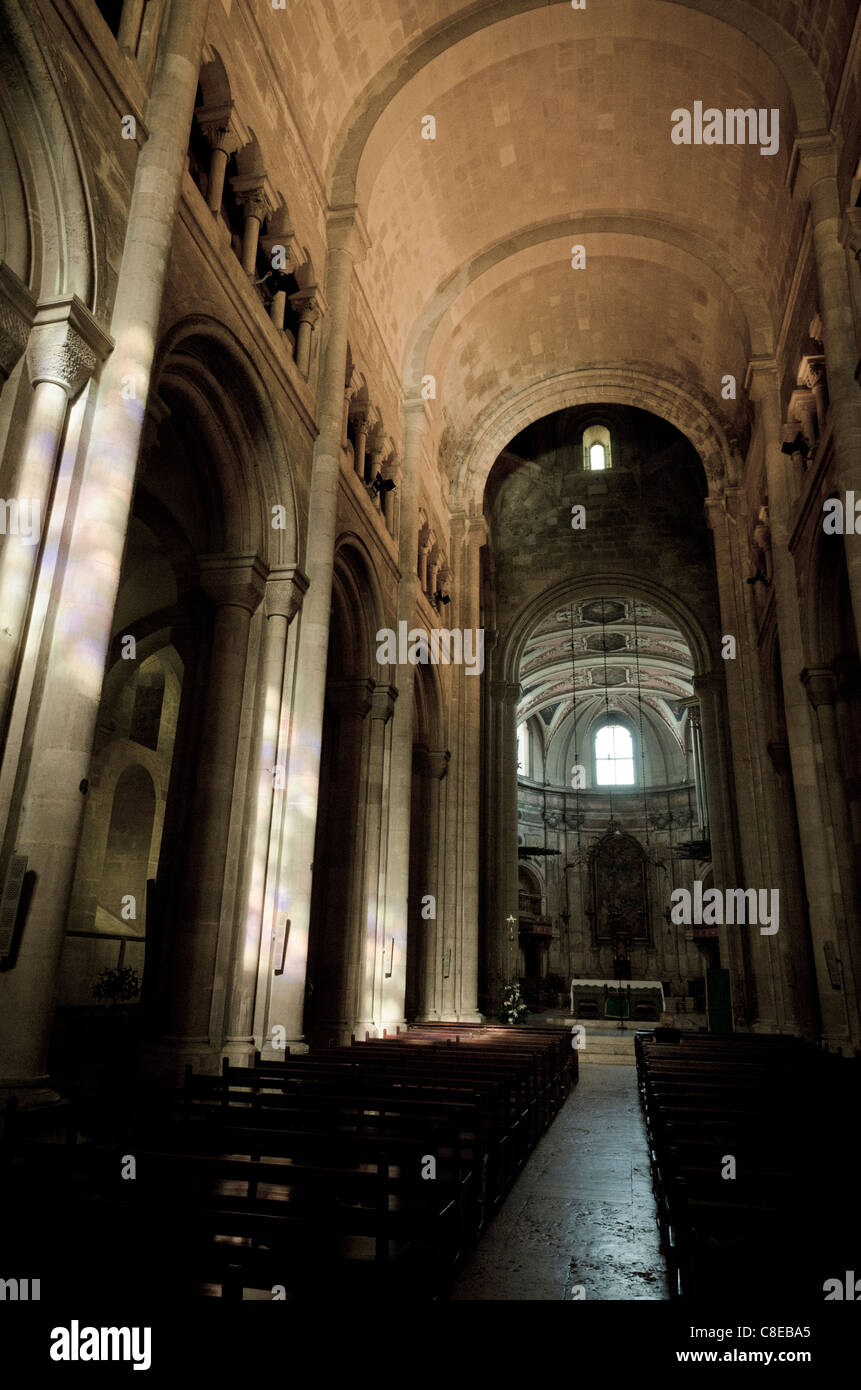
(366, 1170)
(742, 1142)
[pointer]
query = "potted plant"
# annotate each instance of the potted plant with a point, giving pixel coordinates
(513, 1009)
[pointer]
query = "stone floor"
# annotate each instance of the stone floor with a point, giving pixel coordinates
(582, 1211)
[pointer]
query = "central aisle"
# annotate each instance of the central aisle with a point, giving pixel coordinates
(582, 1211)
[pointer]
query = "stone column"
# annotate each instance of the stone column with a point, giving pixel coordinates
(735, 948)
(219, 128)
(415, 418)
(393, 473)
(821, 686)
(65, 346)
(309, 306)
(288, 990)
(818, 174)
(376, 945)
(827, 910)
(235, 586)
(460, 924)
(50, 783)
(432, 965)
(282, 599)
(361, 418)
(130, 25)
(378, 449)
(426, 543)
(252, 194)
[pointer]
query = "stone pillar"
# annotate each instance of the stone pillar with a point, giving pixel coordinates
(715, 742)
(361, 418)
(50, 783)
(351, 387)
(432, 965)
(828, 924)
(287, 996)
(460, 922)
(376, 946)
(130, 25)
(253, 195)
(397, 886)
(391, 500)
(219, 128)
(282, 599)
(426, 543)
(818, 173)
(65, 346)
(380, 450)
(309, 306)
(235, 587)
(821, 686)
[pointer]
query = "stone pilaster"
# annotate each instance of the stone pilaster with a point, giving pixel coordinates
(345, 242)
(827, 909)
(282, 598)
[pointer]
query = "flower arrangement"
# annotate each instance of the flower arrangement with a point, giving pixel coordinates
(118, 985)
(513, 1008)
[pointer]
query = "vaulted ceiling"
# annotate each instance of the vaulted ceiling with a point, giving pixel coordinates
(624, 651)
(552, 129)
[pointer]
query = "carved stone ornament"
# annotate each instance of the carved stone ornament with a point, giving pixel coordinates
(66, 345)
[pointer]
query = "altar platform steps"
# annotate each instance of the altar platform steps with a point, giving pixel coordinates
(605, 1044)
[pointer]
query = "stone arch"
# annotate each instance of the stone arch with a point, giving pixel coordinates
(357, 607)
(826, 603)
(692, 241)
(43, 170)
(634, 384)
(781, 49)
(627, 586)
(196, 357)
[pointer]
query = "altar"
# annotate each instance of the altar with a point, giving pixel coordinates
(634, 999)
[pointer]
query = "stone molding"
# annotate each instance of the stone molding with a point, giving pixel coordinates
(284, 592)
(66, 344)
(820, 682)
(233, 581)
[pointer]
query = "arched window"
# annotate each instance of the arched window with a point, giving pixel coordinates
(524, 762)
(596, 448)
(614, 756)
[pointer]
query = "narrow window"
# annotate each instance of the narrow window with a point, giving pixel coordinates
(614, 756)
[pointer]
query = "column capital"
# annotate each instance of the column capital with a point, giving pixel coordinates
(363, 416)
(17, 312)
(850, 230)
(820, 682)
(812, 158)
(438, 760)
(352, 699)
(284, 591)
(287, 239)
(309, 304)
(254, 193)
(506, 692)
(346, 231)
(761, 377)
(710, 682)
(233, 581)
(219, 126)
(66, 344)
(383, 702)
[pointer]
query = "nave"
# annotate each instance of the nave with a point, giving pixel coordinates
(453, 1163)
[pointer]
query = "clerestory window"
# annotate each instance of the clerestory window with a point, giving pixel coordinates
(614, 756)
